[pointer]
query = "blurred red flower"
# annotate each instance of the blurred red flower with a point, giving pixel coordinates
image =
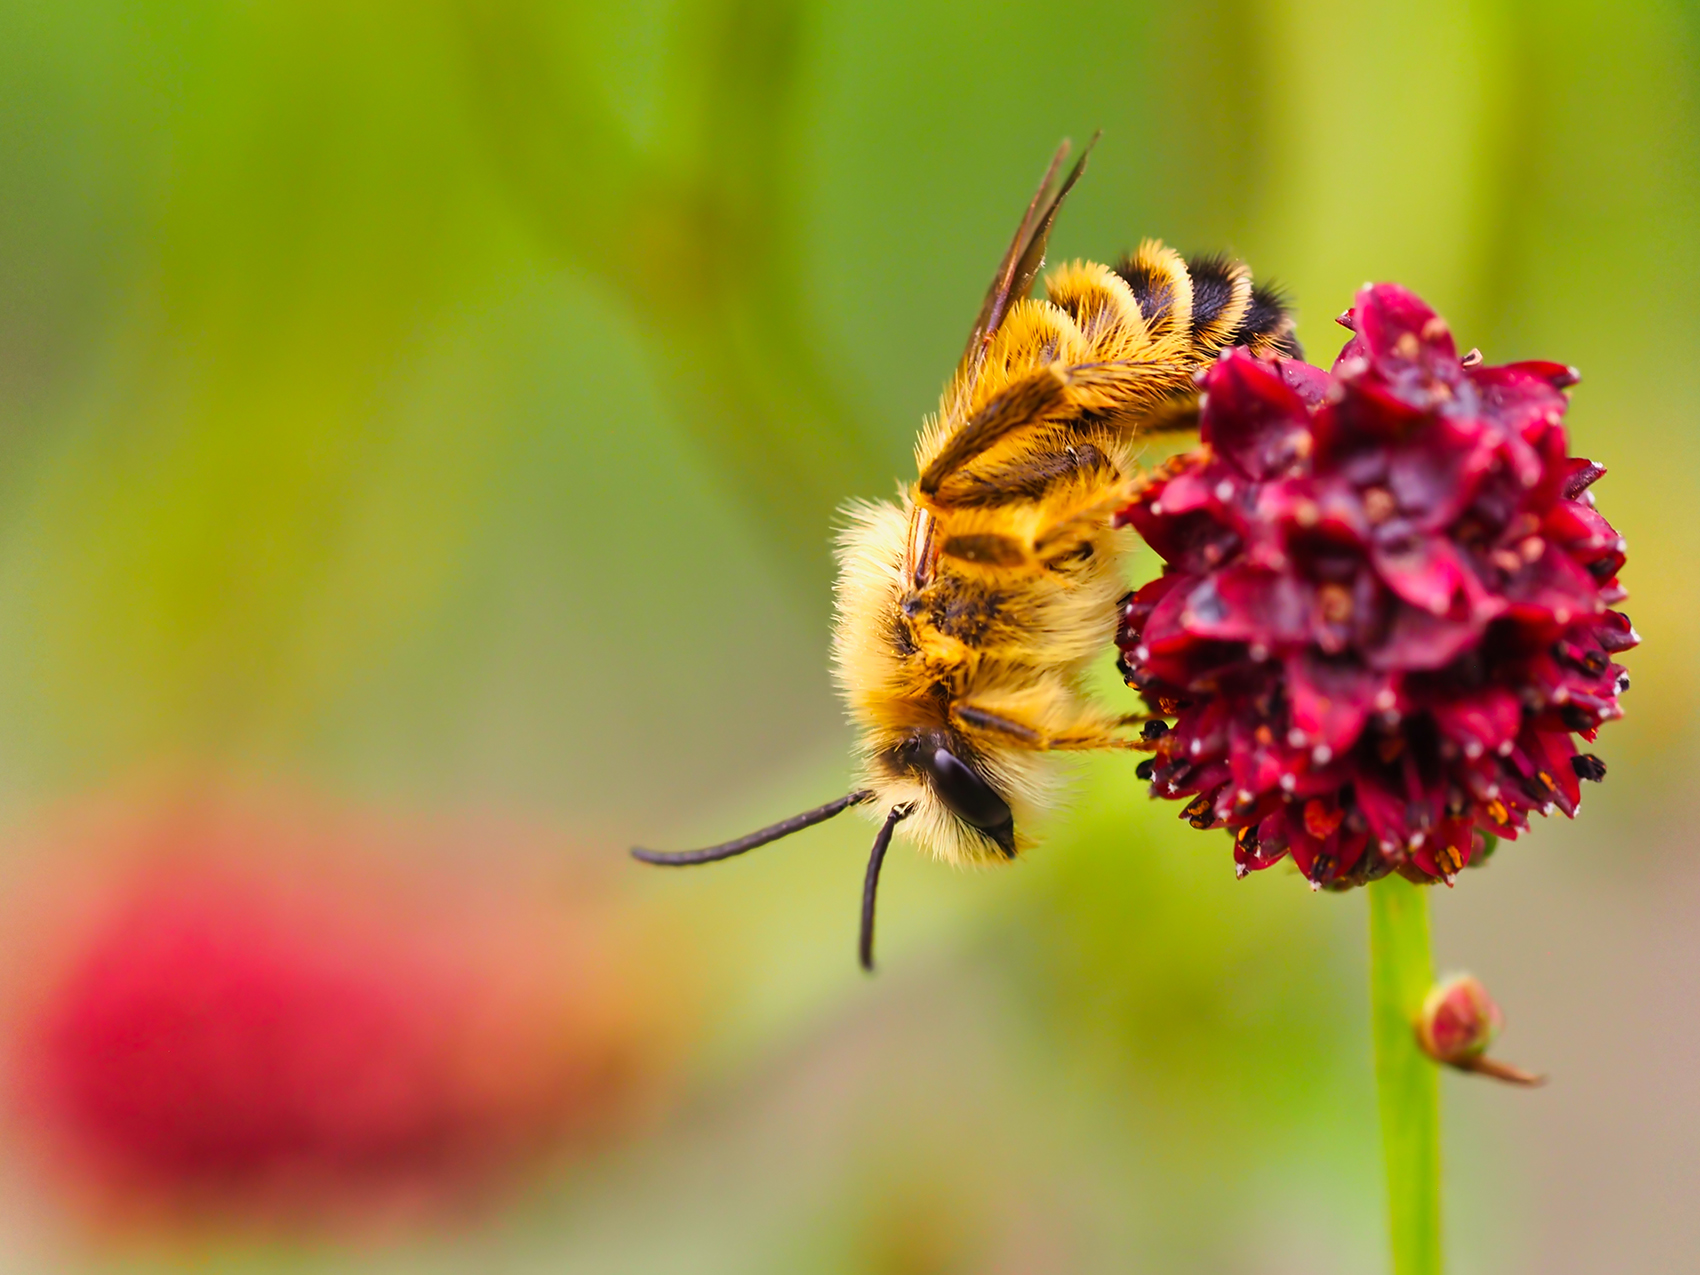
(269, 1010)
(1386, 605)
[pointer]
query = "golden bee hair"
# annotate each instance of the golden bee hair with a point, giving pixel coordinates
(970, 609)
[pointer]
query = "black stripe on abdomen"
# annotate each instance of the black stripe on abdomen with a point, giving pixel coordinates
(1269, 321)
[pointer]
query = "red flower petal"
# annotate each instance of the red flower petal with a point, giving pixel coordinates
(1251, 417)
(1330, 700)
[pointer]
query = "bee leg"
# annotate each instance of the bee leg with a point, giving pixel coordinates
(1037, 401)
(1177, 415)
(1085, 736)
(1032, 401)
(1000, 724)
(1142, 719)
(1079, 522)
(1093, 739)
(987, 549)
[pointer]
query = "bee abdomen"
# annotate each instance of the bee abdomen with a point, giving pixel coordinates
(1221, 295)
(1268, 324)
(1210, 300)
(1162, 285)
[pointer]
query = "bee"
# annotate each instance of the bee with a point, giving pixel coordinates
(969, 612)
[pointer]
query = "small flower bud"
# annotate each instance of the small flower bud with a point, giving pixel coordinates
(1459, 1021)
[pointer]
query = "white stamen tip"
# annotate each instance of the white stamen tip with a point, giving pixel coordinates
(1322, 754)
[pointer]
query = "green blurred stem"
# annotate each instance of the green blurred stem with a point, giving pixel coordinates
(1407, 1083)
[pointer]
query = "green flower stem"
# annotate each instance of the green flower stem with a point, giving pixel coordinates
(1407, 1083)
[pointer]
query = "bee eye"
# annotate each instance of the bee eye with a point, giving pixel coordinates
(969, 796)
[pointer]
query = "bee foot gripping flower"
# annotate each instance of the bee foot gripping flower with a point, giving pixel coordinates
(1385, 613)
(1459, 1021)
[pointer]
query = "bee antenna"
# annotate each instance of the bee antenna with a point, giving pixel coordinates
(871, 886)
(773, 832)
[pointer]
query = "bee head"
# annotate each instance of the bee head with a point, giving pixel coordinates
(942, 762)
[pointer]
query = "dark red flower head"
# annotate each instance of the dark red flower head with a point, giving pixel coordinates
(1385, 609)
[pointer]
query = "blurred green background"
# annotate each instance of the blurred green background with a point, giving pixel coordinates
(443, 406)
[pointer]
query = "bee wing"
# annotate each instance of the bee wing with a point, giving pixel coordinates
(1026, 255)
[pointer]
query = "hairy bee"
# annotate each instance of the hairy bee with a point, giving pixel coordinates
(969, 613)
